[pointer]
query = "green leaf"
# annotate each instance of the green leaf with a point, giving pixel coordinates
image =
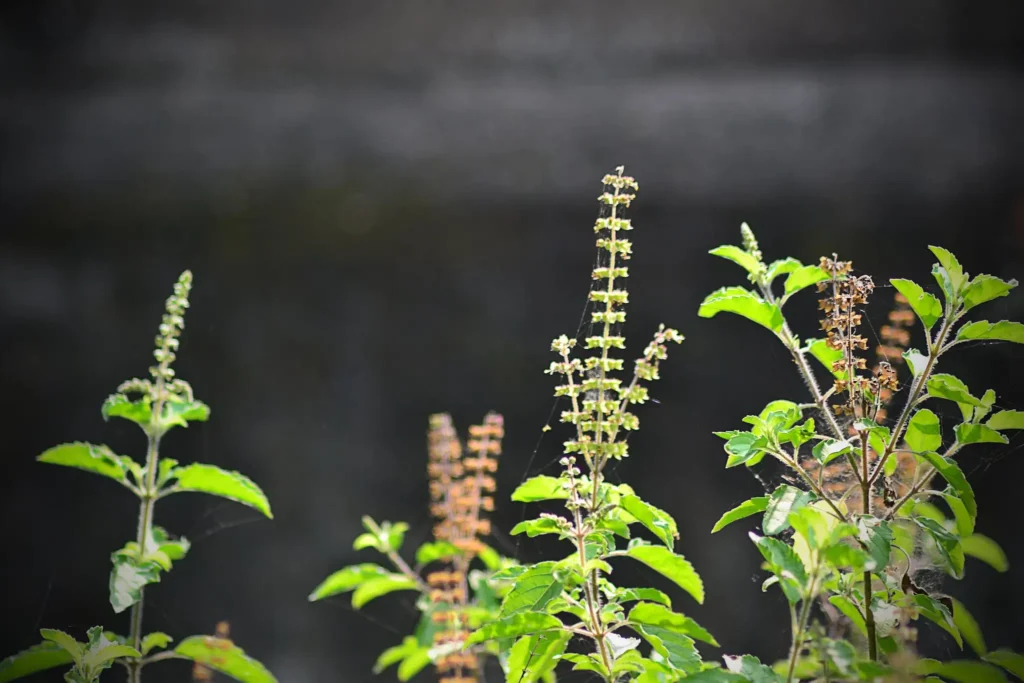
(781, 267)
(954, 476)
(534, 656)
(537, 527)
(947, 544)
(217, 482)
(46, 655)
(967, 434)
(92, 458)
(952, 278)
(745, 509)
(225, 657)
(752, 669)
(117, 405)
(347, 579)
(737, 256)
(671, 566)
(1006, 419)
(155, 640)
(803, 277)
(645, 594)
(985, 549)
(519, 624)
(432, 551)
(1011, 661)
(935, 611)
(129, 576)
(101, 657)
(964, 520)
(827, 450)
(677, 650)
(375, 588)
(72, 646)
(180, 413)
(541, 487)
(395, 654)
(968, 628)
(652, 614)
(784, 500)
(657, 521)
(985, 288)
(850, 611)
(743, 448)
(414, 663)
(580, 662)
(876, 536)
(952, 389)
(923, 432)
(961, 671)
(784, 563)
(1004, 330)
(925, 305)
(825, 354)
(916, 361)
(533, 590)
(744, 303)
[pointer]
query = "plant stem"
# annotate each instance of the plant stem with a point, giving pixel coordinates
(799, 628)
(397, 560)
(869, 615)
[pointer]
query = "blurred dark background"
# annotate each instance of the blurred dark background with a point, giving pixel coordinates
(388, 207)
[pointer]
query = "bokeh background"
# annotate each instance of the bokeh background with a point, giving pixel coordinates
(388, 206)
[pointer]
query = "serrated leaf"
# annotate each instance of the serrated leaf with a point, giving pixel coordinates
(744, 303)
(541, 487)
(217, 482)
(118, 405)
(155, 640)
(70, 645)
(985, 549)
(225, 657)
(954, 278)
(1011, 661)
(347, 579)
(953, 389)
(984, 288)
(923, 432)
(534, 656)
(533, 590)
(646, 594)
(877, 539)
(1006, 419)
(737, 256)
(180, 413)
(673, 567)
(781, 267)
(536, 527)
(1004, 330)
(925, 305)
(948, 544)
(652, 614)
(744, 448)
(745, 509)
(784, 500)
(827, 450)
(916, 361)
(657, 521)
(98, 459)
(967, 434)
(968, 628)
(803, 277)
(377, 587)
(46, 655)
(520, 624)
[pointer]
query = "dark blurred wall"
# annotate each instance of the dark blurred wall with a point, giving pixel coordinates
(388, 207)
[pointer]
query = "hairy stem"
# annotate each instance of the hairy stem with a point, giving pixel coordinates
(869, 615)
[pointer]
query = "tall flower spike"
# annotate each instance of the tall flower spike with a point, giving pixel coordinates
(170, 329)
(844, 294)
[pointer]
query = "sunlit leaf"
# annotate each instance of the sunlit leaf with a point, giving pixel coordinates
(925, 305)
(541, 487)
(744, 303)
(923, 432)
(948, 544)
(155, 640)
(985, 549)
(785, 564)
(968, 628)
(744, 448)
(536, 527)
(652, 614)
(671, 566)
(97, 459)
(347, 579)
(520, 624)
(825, 355)
(850, 611)
(985, 288)
(1006, 419)
(955, 477)
(432, 551)
(737, 256)
(784, 500)
(952, 278)
(533, 590)
(657, 521)
(1011, 661)
(225, 657)
(128, 577)
(961, 671)
(803, 277)
(534, 656)
(967, 434)
(215, 481)
(1004, 330)
(46, 655)
(745, 509)
(377, 587)
(118, 405)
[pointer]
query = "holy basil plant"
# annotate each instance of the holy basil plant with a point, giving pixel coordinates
(157, 405)
(875, 495)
